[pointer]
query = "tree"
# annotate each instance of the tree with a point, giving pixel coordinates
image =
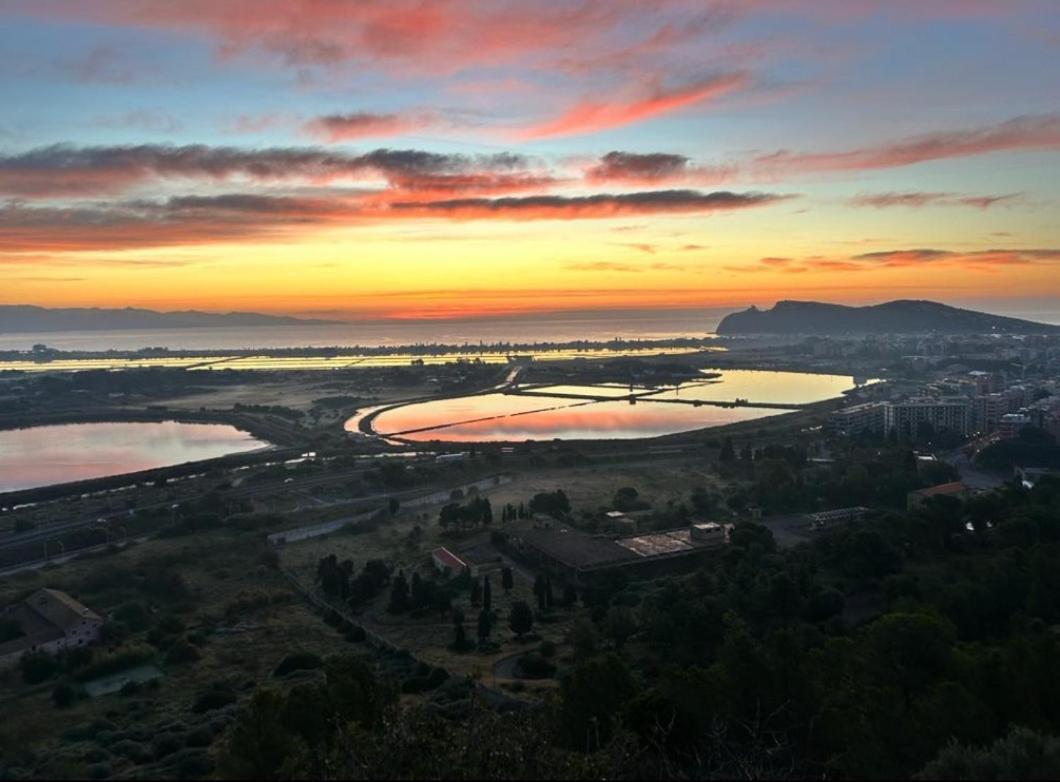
(911, 650)
(704, 503)
(521, 619)
(1020, 754)
(727, 453)
(334, 577)
(570, 596)
(593, 697)
(552, 503)
(393, 505)
(487, 593)
(548, 593)
(258, 744)
(476, 593)
(64, 695)
(626, 499)
(507, 582)
(459, 634)
(485, 625)
(620, 625)
(539, 591)
(399, 595)
(37, 666)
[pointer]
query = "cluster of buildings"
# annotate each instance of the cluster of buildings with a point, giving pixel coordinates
(973, 403)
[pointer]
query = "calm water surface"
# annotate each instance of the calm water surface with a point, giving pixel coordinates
(512, 417)
(43, 455)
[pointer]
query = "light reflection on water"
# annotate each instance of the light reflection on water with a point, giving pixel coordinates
(44, 455)
(500, 417)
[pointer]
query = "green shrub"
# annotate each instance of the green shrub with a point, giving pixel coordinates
(37, 667)
(534, 666)
(118, 660)
(212, 700)
(165, 744)
(64, 695)
(182, 652)
(299, 661)
(200, 737)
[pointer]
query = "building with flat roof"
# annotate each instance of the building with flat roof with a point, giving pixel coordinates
(853, 420)
(827, 519)
(952, 413)
(580, 559)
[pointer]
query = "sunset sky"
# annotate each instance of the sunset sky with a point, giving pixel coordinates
(450, 158)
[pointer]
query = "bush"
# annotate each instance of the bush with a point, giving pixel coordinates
(534, 666)
(118, 660)
(191, 763)
(165, 744)
(435, 678)
(37, 667)
(200, 737)
(356, 634)
(131, 750)
(214, 699)
(546, 649)
(100, 771)
(64, 696)
(134, 616)
(299, 661)
(182, 652)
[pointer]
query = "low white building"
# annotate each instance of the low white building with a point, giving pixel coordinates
(47, 621)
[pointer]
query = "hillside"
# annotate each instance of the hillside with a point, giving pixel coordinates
(16, 319)
(893, 317)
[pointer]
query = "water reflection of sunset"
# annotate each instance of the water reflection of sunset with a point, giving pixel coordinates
(45, 455)
(610, 420)
(495, 417)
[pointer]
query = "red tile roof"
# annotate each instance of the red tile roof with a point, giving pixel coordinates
(448, 559)
(955, 487)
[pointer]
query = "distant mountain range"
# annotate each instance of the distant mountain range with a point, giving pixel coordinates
(18, 319)
(894, 317)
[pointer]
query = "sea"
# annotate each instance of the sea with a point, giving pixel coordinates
(595, 326)
(548, 327)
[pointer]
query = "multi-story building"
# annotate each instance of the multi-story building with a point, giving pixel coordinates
(867, 417)
(988, 411)
(1011, 423)
(953, 413)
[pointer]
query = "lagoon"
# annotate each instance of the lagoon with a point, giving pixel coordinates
(579, 412)
(46, 455)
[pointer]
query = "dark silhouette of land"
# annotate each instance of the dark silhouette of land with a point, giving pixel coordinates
(28, 319)
(893, 317)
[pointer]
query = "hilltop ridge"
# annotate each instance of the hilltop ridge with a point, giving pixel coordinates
(904, 316)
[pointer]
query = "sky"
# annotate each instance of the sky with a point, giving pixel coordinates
(451, 158)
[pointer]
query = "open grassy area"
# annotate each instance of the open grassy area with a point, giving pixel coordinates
(214, 594)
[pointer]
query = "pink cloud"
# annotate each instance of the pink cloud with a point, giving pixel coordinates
(589, 116)
(921, 199)
(1021, 133)
(334, 128)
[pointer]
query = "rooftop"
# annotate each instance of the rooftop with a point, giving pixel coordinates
(954, 487)
(44, 616)
(448, 558)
